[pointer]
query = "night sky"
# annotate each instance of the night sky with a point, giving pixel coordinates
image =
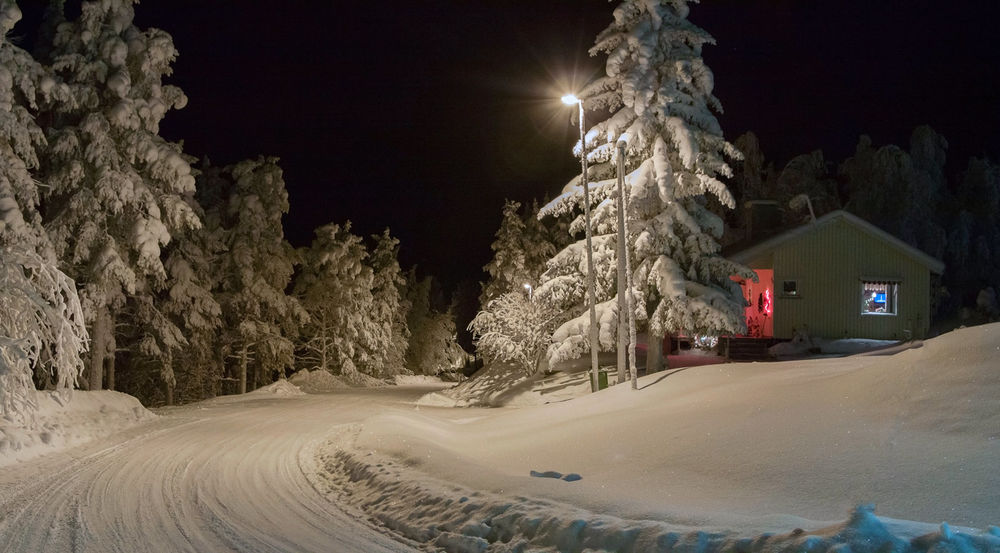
(423, 116)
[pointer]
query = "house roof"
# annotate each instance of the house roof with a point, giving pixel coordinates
(745, 255)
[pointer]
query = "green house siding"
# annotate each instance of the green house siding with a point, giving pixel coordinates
(829, 265)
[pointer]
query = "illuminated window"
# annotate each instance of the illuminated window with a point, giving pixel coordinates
(879, 297)
(790, 288)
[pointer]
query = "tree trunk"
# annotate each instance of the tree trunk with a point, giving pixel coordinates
(654, 354)
(110, 347)
(98, 348)
(169, 391)
(243, 369)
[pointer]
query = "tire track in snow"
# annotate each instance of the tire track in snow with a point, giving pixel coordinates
(221, 476)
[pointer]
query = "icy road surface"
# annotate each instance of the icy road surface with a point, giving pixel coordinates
(225, 475)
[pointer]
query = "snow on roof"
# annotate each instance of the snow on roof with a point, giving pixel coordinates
(745, 255)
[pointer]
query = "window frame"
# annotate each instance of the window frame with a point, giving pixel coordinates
(796, 294)
(892, 296)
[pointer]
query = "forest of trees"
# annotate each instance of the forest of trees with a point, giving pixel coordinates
(126, 264)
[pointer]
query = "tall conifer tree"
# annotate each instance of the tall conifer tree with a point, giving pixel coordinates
(659, 93)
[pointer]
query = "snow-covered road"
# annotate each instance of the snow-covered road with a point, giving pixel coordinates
(226, 475)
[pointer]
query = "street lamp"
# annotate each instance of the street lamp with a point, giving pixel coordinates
(529, 289)
(571, 99)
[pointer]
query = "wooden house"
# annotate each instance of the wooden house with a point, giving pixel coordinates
(837, 276)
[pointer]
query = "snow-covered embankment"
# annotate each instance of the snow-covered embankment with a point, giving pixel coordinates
(68, 418)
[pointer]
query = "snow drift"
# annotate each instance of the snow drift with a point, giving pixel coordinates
(65, 419)
(735, 457)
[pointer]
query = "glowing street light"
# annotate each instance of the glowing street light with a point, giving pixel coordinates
(571, 99)
(529, 289)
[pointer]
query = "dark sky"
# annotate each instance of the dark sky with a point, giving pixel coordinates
(424, 115)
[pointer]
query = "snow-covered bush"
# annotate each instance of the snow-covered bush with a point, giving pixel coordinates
(515, 329)
(41, 327)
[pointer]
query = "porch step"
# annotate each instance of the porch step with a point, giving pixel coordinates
(749, 349)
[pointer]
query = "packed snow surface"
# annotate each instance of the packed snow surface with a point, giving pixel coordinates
(231, 474)
(66, 419)
(741, 449)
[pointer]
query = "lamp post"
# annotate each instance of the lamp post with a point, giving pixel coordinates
(530, 290)
(571, 99)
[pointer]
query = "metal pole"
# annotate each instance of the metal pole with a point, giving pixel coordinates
(630, 298)
(622, 290)
(594, 345)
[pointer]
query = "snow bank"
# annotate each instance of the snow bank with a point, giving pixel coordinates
(417, 380)
(316, 382)
(459, 519)
(65, 419)
(847, 346)
(281, 388)
(361, 380)
(739, 449)
(502, 385)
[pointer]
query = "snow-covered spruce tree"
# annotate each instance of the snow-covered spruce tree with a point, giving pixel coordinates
(41, 321)
(188, 299)
(389, 309)
(115, 186)
(900, 191)
(659, 93)
(433, 341)
(171, 334)
(334, 286)
(515, 328)
(254, 269)
(973, 252)
(520, 251)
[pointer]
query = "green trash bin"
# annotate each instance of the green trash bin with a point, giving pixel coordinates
(602, 380)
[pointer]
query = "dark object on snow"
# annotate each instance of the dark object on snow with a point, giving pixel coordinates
(571, 477)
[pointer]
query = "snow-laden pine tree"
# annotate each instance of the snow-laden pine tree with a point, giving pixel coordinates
(335, 288)
(189, 301)
(115, 186)
(659, 93)
(898, 191)
(171, 333)
(521, 248)
(389, 308)
(434, 344)
(41, 321)
(254, 268)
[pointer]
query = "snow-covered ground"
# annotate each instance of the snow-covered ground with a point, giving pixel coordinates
(65, 419)
(704, 457)
(230, 474)
(733, 458)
